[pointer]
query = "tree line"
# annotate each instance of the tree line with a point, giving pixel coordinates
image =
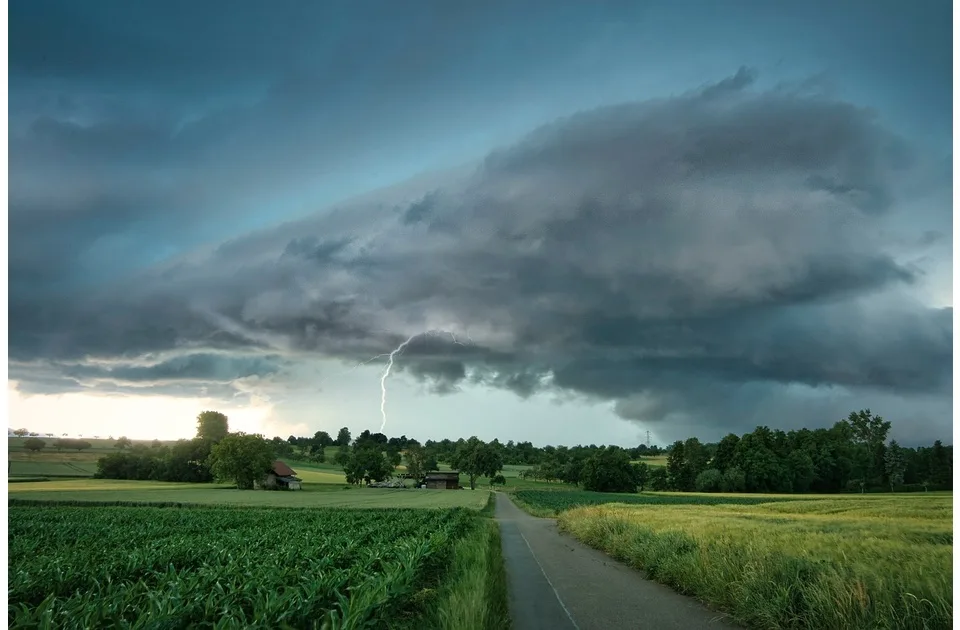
(852, 455)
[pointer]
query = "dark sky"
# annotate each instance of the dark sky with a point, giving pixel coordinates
(689, 218)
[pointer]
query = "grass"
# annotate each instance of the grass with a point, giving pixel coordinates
(839, 563)
(475, 594)
(47, 468)
(313, 495)
(550, 503)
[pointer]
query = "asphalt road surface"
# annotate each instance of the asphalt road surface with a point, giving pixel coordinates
(557, 583)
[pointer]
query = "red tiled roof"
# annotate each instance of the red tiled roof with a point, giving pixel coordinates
(282, 470)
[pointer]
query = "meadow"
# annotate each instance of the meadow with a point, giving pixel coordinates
(848, 562)
(222, 567)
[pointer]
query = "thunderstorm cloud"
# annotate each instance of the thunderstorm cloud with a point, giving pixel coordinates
(733, 253)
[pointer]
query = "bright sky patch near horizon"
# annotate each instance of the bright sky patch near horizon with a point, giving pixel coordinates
(688, 220)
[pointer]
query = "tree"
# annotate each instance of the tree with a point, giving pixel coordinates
(676, 466)
(477, 459)
(367, 462)
(659, 480)
(869, 433)
(34, 444)
(21, 432)
(801, 469)
(394, 458)
(895, 464)
(319, 455)
(641, 475)
(212, 426)
(726, 451)
(608, 470)
(734, 480)
(498, 480)
(241, 458)
(323, 439)
(709, 480)
(343, 437)
(80, 445)
(416, 462)
(156, 444)
(342, 456)
(940, 468)
(123, 442)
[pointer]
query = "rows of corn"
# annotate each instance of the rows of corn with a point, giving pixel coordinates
(150, 567)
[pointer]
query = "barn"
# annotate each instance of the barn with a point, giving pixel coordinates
(281, 477)
(446, 480)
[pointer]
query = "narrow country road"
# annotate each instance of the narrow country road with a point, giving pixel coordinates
(557, 583)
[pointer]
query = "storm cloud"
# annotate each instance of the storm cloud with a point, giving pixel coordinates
(706, 258)
(652, 248)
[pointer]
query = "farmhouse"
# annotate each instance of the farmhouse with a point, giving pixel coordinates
(447, 480)
(281, 477)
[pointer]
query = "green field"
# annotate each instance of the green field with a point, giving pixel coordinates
(215, 567)
(849, 562)
(552, 502)
(313, 495)
(54, 464)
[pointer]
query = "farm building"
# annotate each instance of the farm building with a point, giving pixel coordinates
(281, 477)
(447, 480)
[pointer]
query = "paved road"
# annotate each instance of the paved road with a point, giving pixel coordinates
(557, 583)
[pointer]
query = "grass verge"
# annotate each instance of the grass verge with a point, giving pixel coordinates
(831, 565)
(474, 596)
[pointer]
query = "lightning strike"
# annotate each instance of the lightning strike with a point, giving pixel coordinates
(390, 359)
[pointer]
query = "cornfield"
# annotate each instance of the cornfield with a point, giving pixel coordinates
(150, 567)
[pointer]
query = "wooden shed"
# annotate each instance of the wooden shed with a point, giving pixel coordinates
(446, 480)
(281, 477)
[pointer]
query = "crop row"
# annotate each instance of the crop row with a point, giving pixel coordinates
(559, 500)
(82, 567)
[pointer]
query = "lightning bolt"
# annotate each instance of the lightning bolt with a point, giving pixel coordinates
(391, 356)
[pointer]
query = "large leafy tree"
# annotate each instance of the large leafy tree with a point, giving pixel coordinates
(940, 466)
(676, 465)
(322, 439)
(609, 470)
(34, 444)
(416, 458)
(241, 458)
(869, 433)
(212, 426)
(367, 460)
(123, 442)
(343, 437)
(659, 479)
(725, 453)
(895, 464)
(641, 474)
(476, 459)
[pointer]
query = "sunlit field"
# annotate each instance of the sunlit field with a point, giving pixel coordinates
(826, 563)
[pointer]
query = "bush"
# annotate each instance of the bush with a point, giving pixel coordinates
(734, 480)
(710, 480)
